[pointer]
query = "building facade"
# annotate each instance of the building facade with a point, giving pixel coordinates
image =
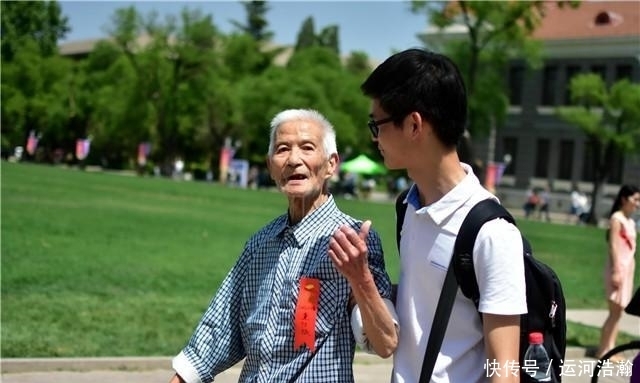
(600, 37)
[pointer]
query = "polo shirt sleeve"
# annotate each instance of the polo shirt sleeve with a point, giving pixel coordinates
(499, 267)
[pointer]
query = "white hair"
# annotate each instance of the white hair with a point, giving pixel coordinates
(329, 134)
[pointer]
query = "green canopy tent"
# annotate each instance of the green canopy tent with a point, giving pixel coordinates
(363, 165)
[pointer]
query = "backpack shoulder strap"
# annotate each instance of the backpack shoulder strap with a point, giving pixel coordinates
(482, 212)
(401, 209)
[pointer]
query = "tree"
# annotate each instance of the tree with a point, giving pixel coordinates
(496, 32)
(256, 24)
(339, 88)
(120, 115)
(35, 97)
(180, 85)
(40, 21)
(328, 38)
(322, 83)
(173, 70)
(306, 35)
(358, 64)
(243, 55)
(610, 119)
(33, 78)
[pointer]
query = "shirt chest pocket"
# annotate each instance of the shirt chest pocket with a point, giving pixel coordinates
(332, 305)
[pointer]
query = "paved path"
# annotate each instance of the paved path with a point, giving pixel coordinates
(364, 373)
(377, 373)
(367, 368)
(628, 323)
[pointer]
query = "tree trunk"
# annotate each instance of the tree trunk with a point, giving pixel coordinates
(598, 187)
(603, 157)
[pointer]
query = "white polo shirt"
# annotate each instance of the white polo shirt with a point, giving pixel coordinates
(428, 237)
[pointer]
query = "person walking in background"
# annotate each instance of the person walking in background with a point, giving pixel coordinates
(283, 307)
(531, 202)
(583, 208)
(573, 215)
(418, 116)
(543, 204)
(618, 273)
(579, 209)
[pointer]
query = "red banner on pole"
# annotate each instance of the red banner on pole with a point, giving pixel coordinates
(32, 143)
(82, 148)
(144, 148)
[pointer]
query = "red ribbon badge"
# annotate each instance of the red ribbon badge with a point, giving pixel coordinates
(305, 315)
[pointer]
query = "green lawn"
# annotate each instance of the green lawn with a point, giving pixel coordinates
(96, 264)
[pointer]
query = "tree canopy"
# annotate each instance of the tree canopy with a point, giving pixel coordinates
(610, 120)
(496, 33)
(39, 21)
(178, 83)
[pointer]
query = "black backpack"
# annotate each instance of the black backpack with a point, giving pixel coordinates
(546, 305)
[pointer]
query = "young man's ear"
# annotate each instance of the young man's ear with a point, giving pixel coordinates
(416, 123)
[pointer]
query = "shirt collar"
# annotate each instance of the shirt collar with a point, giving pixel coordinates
(303, 229)
(450, 202)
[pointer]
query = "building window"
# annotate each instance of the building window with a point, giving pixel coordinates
(510, 147)
(571, 71)
(516, 78)
(603, 18)
(600, 70)
(565, 159)
(616, 168)
(623, 72)
(607, 18)
(542, 159)
(549, 84)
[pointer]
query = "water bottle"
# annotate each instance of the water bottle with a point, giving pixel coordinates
(536, 359)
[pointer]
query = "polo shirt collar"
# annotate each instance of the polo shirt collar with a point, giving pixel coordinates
(446, 206)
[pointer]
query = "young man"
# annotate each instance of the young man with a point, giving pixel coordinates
(283, 306)
(418, 115)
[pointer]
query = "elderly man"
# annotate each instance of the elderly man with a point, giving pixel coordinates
(284, 306)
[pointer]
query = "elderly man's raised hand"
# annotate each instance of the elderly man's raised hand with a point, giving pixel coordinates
(348, 252)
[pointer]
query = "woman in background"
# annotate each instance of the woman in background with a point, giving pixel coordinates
(620, 263)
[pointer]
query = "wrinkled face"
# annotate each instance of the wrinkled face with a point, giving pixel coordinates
(299, 164)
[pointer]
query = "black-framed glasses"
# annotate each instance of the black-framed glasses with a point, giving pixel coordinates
(374, 125)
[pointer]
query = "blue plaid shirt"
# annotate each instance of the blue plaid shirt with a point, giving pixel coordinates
(252, 314)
